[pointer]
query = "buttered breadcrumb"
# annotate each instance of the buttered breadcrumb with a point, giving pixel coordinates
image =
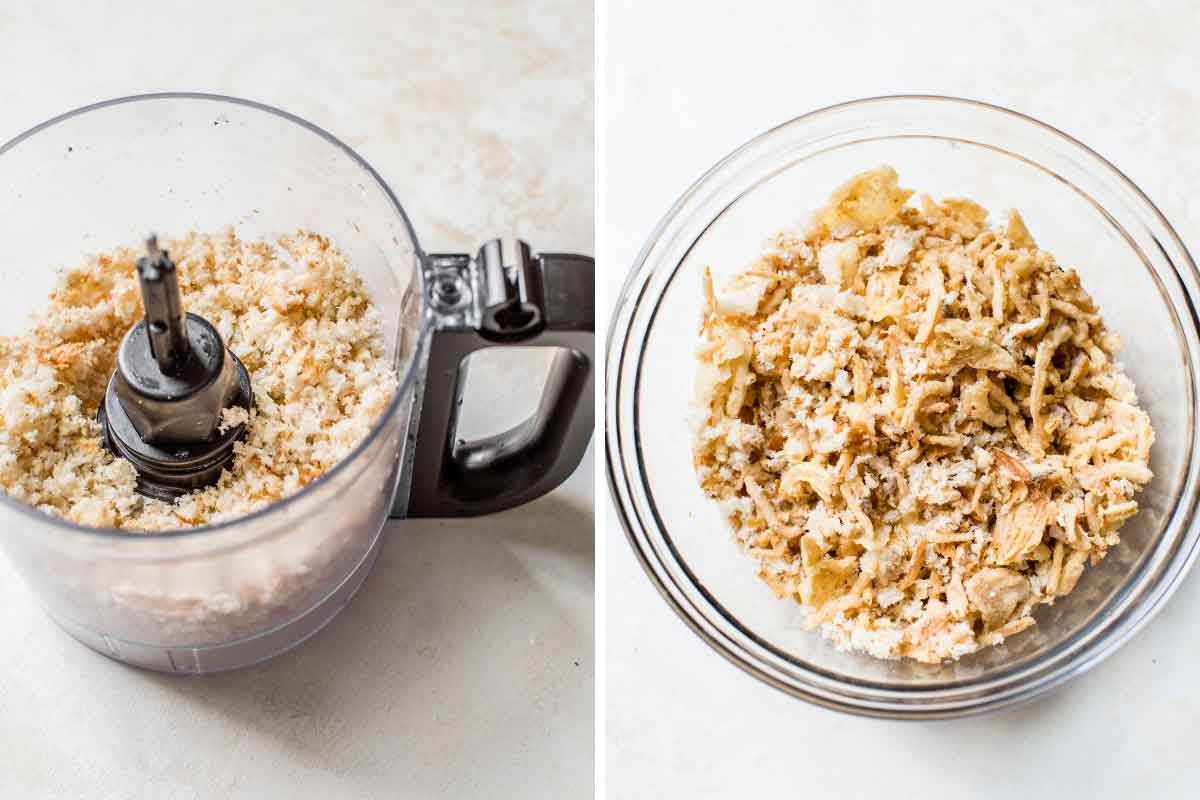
(293, 311)
(915, 422)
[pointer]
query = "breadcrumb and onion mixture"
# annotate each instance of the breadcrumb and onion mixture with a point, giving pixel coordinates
(293, 311)
(915, 423)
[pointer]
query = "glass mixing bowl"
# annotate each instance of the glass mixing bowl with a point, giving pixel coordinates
(230, 594)
(1079, 207)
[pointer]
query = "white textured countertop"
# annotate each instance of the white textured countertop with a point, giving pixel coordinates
(464, 668)
(684, 86)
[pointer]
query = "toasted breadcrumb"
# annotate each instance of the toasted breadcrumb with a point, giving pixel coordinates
(293, 311)
(915, 422)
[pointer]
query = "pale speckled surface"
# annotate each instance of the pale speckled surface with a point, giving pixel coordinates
(683, 87)
(464, 668)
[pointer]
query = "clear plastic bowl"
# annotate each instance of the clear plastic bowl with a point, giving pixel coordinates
(226, 595)
(1078, 206)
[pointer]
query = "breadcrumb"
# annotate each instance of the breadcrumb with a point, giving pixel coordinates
(915, 423)
(293, 311)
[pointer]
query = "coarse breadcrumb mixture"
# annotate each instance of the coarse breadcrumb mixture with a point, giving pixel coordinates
(293, 311)
(915, 422)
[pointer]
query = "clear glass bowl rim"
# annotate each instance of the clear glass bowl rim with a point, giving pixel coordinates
(394, 406)
(802, 682)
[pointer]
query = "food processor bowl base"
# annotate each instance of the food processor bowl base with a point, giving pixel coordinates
(239, 654)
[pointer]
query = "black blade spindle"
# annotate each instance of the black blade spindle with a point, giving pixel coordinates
(164, 309)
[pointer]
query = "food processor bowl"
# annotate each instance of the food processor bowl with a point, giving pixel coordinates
(1077, 206)
(228, 595)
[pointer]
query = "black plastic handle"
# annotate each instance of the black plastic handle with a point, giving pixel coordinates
(546, 301)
